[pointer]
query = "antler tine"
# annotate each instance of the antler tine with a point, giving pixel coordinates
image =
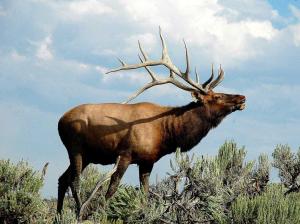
(156, 81)
(153, 76)
(134, 66)
(164, 46)
(165, 58)
(122, 62)
(167, 62)
(143, 52)
(218, 80)
(197, 76)
(207, 83)
(187, 71)
(147, 86)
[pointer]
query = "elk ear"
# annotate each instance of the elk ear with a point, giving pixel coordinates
(197, 96)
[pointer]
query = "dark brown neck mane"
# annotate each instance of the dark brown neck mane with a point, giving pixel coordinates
(187, 125)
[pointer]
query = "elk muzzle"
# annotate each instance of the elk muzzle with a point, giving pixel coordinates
(240, 102)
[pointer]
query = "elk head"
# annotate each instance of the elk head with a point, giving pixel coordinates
(219, 104)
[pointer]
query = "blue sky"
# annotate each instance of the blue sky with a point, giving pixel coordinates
(53, 55)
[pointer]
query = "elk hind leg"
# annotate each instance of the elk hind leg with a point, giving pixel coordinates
(63, 184)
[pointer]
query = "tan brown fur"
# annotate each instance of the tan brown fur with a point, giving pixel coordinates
(139, 133)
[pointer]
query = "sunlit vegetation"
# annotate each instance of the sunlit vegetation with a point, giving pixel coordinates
(225, 188)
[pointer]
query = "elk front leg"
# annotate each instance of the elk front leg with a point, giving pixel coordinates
(145, 171)
(116, 177)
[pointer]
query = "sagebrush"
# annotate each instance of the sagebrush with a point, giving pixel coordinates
(225, 188)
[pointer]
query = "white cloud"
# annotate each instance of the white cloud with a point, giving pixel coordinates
(44, 49)
(79, 9)
(220, 31)
(248, 9)
(147, 40)
(204, 24)
(138, 11)
(88, 7)
(262, 29)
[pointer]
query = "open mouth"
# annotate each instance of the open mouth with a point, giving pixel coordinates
(242, 105)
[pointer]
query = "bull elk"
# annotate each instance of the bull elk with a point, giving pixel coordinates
(141, 133)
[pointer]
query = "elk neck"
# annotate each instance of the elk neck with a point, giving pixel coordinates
(187, 125)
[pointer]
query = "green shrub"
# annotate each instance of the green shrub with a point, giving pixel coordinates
(288, 164)
(271, 207)
(221, 189)
(198, 190)
(128, 204)
(20, 199)
(260, 176)
(97, 209)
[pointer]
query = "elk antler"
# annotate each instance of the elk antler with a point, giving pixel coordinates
(167, 62)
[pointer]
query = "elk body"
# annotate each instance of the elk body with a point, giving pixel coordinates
(140, 133)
